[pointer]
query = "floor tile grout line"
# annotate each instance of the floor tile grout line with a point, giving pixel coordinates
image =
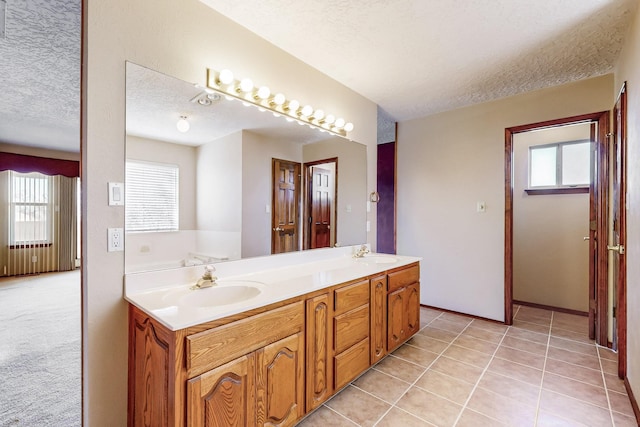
(475, 386)
(544, 366)
(411, 384)
(340, 414)
(426, 369)
(606, 391)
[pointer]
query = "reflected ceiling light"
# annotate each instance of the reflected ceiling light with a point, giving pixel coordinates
(183, 125)
(245, 91)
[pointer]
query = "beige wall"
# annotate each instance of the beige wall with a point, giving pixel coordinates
(550, 257)
(352, 194)
(257, 152)
(628, 70)
(448, 162)
(182, 39)
(219, 184)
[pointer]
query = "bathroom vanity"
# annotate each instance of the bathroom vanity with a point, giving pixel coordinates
(293, 331)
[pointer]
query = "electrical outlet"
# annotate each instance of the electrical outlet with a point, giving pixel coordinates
(115, 239)
(34, 258)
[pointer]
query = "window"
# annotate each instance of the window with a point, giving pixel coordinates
(151, 196)
(561, 165)
(30, 209)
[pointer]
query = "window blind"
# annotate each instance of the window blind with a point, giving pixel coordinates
(151, 196)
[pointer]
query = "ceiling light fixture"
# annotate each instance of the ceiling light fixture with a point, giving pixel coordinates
(262, 97)
(183, 125)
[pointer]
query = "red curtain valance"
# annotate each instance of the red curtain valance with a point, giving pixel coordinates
(25, 164)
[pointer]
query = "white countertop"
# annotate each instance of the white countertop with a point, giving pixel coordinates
(165, 294)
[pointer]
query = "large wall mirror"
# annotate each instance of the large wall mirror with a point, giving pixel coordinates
(233, 182)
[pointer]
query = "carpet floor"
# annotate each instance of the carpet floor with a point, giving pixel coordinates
(40, 350)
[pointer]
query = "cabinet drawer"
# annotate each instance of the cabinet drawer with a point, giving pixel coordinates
(351, 296)
(351, 363)
(403, 278)
(209, 349)
(351, 327)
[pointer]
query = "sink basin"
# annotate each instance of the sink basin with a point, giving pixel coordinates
(377, 259)
(224, 293)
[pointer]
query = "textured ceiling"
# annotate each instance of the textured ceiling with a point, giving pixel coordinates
(412, 57)
(40, 74)
(419, 57)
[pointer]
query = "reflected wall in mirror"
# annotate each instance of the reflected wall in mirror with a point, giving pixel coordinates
(209, 194)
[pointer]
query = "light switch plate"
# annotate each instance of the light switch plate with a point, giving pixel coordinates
(116, 194)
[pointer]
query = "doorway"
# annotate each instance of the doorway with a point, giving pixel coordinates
(598, 203)
(285, 216)
(321, 193)
(551, 182)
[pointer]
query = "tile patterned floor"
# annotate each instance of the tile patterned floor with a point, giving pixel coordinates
(459, 371)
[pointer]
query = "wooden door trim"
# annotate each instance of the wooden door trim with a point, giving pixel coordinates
(308, 200)
(601, 187)
(621, 303)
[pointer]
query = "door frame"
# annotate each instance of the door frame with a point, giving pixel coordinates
(599, 197)
(298, 184)
(620, 129)
(308, 199)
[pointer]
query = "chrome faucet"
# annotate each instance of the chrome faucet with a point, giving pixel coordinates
(207, 280)
(361, 252)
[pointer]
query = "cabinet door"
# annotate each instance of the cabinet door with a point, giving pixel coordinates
(318, 339)
(280, 382)
(224, 396)
(396, 318)
(412, 309)
(378, 318)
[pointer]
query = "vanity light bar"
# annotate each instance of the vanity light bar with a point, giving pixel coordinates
(262, 97)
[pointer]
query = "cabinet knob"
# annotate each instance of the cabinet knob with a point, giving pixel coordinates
(379, 285)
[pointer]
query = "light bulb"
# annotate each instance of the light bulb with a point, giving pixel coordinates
(339, 122)
(318, 115)
(225, 77)
(348, 127)
(330, 119)
(307, 110)
(183, 125)
(264, 92)
(246, 85)
(293, 106)
(279, 99)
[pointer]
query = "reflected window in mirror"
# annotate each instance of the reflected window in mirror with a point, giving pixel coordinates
(152, 196)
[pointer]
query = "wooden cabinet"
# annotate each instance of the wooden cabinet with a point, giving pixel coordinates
(271, 365)
(403, 306)
(378, 327)
(280, 382)
(351, 323)
(263, 388)
(224, 396)
(319, 351)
